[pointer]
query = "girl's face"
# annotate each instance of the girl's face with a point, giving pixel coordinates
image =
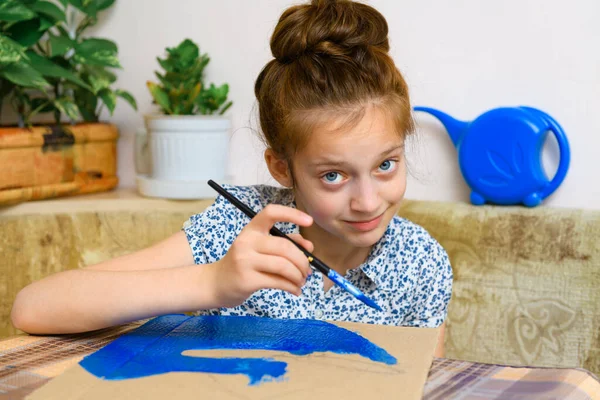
(351, 181)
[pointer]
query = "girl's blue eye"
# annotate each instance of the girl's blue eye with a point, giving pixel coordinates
(387, 165)
(330, 177)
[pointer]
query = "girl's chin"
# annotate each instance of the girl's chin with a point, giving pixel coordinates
(354, 237)
(362, 239)
(365, 240)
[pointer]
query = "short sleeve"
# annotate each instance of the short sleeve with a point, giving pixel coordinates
(211, 233)
(433, 290)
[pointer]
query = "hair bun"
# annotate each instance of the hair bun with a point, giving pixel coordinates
(328, 27)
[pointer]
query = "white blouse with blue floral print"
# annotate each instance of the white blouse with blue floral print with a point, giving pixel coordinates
(407, 272)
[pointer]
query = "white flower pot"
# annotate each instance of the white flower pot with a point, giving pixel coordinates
(184, 152)
(188, 147)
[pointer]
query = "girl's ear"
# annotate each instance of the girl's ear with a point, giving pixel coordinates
(278, 168)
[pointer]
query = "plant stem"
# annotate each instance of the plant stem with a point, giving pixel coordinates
(40, 48)
(56, 96)
(18, 104)
(87, 21)
(100, 109)
(37, 110)
(7, 91)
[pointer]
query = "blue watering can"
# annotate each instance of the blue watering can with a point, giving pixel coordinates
(500, 153)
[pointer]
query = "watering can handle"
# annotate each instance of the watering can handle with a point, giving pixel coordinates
(565, 155)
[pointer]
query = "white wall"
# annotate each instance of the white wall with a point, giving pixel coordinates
(462, 56)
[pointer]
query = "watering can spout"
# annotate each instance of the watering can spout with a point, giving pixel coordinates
(454, 127)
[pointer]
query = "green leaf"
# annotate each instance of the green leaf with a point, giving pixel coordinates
(15, 11)
(225, 108)
(221, 93)
(86, 6)
(164, 81)
(201, 64)
(86, 103)
(49, 69)
(127, 97)
(92, 7)
(104, 4)
(185, 54)
(64, 3)
(45, 24)
(67, 107)
(160, 97)
(165, 64)
(195, 92)
(109, 98)
(26, 33)
(211, 99)
(95, 44)
(98, 83)
(24, 75)
(59, 45)
(49, 9)
(10, 51)
(97, 52)
(98, 77)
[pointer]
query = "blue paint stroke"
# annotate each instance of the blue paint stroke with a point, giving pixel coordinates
(156, 347)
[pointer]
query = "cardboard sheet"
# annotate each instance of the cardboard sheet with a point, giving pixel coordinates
(317, 375)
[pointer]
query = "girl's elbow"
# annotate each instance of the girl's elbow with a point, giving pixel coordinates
(21, 316)
(18, 318)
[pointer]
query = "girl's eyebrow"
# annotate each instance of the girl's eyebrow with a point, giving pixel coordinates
(335, 163)
(392, 149)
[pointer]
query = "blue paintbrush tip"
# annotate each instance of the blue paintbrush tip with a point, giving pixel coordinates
(350, 288)
(369, 302)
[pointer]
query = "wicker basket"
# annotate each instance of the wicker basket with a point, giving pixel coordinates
(53, 161)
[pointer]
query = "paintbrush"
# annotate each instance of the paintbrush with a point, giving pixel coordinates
(315, 263)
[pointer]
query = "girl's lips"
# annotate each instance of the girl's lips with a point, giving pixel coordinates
(365, 226)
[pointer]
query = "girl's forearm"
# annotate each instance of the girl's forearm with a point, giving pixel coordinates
(84, 300)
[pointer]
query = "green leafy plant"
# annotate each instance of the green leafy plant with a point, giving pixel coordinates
(47, 65)
(182, 90)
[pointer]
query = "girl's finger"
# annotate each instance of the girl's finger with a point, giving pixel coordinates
(270, 281)
(307, 244)
(281, 267)
(281, 247)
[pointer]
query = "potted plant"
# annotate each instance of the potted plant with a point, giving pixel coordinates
(188, 139)
(56, 81)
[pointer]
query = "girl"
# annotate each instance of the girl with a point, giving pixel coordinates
(335, 112)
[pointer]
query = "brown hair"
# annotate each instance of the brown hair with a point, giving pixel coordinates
(330, 60)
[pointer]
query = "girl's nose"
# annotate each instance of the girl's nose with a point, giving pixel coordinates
(365, 199)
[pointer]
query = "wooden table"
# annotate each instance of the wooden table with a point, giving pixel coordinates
(27, 362)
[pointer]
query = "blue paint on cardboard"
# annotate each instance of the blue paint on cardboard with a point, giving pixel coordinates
(157, 346)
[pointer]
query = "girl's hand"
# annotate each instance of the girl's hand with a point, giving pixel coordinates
(257, 260)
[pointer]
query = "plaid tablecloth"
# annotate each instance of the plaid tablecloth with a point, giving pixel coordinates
(27, 362)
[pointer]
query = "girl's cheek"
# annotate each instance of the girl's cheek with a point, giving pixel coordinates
(324, 210)
(396, 191)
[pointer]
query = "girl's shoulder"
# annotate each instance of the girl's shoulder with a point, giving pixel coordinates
(411, 246)
(411, 235)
